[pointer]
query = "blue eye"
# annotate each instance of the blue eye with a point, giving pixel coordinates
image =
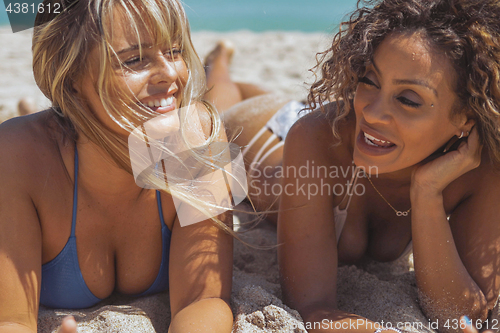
(408, 102)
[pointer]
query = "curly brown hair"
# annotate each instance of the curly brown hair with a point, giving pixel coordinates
(466, 31)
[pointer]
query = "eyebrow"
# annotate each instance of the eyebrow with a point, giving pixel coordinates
(414, 82)
(133, 48)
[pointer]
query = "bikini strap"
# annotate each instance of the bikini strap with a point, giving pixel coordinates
(270, 151)
(160, 209)
(350, 189)
(257, 159)
(75, 194)
(254, 139)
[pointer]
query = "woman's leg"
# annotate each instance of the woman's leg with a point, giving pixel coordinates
(243, 121)
(245, 109)
(223, 92)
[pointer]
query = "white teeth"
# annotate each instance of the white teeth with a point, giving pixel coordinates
(372, 138)
(370, 143)
(164, 102)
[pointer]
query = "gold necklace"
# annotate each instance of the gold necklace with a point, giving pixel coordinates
(398, 212)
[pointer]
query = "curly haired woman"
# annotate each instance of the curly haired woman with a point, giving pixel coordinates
(418, 109)
(402, 155)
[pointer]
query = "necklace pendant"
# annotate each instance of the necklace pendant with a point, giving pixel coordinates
(400, 213)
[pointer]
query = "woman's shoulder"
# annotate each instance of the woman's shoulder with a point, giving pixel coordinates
(478, 185)
(25, 140)
(30, 130)
(487, 174)
(314, 133)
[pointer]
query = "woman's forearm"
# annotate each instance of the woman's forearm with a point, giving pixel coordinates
(206, 315)
(446, 288)
(14, 328)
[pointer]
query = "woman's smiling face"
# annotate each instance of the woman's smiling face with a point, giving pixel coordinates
(403, 105)
(152, 75)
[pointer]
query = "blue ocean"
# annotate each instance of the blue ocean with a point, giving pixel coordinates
(259, 15)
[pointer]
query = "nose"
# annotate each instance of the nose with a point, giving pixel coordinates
(164, 70)
(377, 111)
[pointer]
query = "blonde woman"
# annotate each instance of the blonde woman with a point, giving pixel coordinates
(74, 226)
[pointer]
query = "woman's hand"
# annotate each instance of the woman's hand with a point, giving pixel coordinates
(440, 172)
(68, 325)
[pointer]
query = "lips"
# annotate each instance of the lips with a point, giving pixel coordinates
(373, 143)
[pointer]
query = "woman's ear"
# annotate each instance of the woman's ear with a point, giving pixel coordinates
(465, 123)
(466, 128)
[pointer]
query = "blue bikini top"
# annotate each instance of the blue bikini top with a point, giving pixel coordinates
(63, 285)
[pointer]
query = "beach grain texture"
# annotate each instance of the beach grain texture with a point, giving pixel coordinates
(279, 62)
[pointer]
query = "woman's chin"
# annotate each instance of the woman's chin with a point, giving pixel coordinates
(375, 165)
(380, 167)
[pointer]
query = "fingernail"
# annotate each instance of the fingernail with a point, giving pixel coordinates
(467, 321)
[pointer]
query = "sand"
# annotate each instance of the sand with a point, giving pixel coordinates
(276, 61)
(279, 62)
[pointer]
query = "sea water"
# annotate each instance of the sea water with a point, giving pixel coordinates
(264, 15)
(258, 15)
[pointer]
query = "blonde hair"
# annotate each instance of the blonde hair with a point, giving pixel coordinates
(62, 44)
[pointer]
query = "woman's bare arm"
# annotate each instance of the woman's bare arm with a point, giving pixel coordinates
(20, 235)
(201, 268)
(307, 251)
(201, 259)
(456, 261)
(446, 287)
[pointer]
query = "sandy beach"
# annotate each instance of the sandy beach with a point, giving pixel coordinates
(279, 62)
(276, 61)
